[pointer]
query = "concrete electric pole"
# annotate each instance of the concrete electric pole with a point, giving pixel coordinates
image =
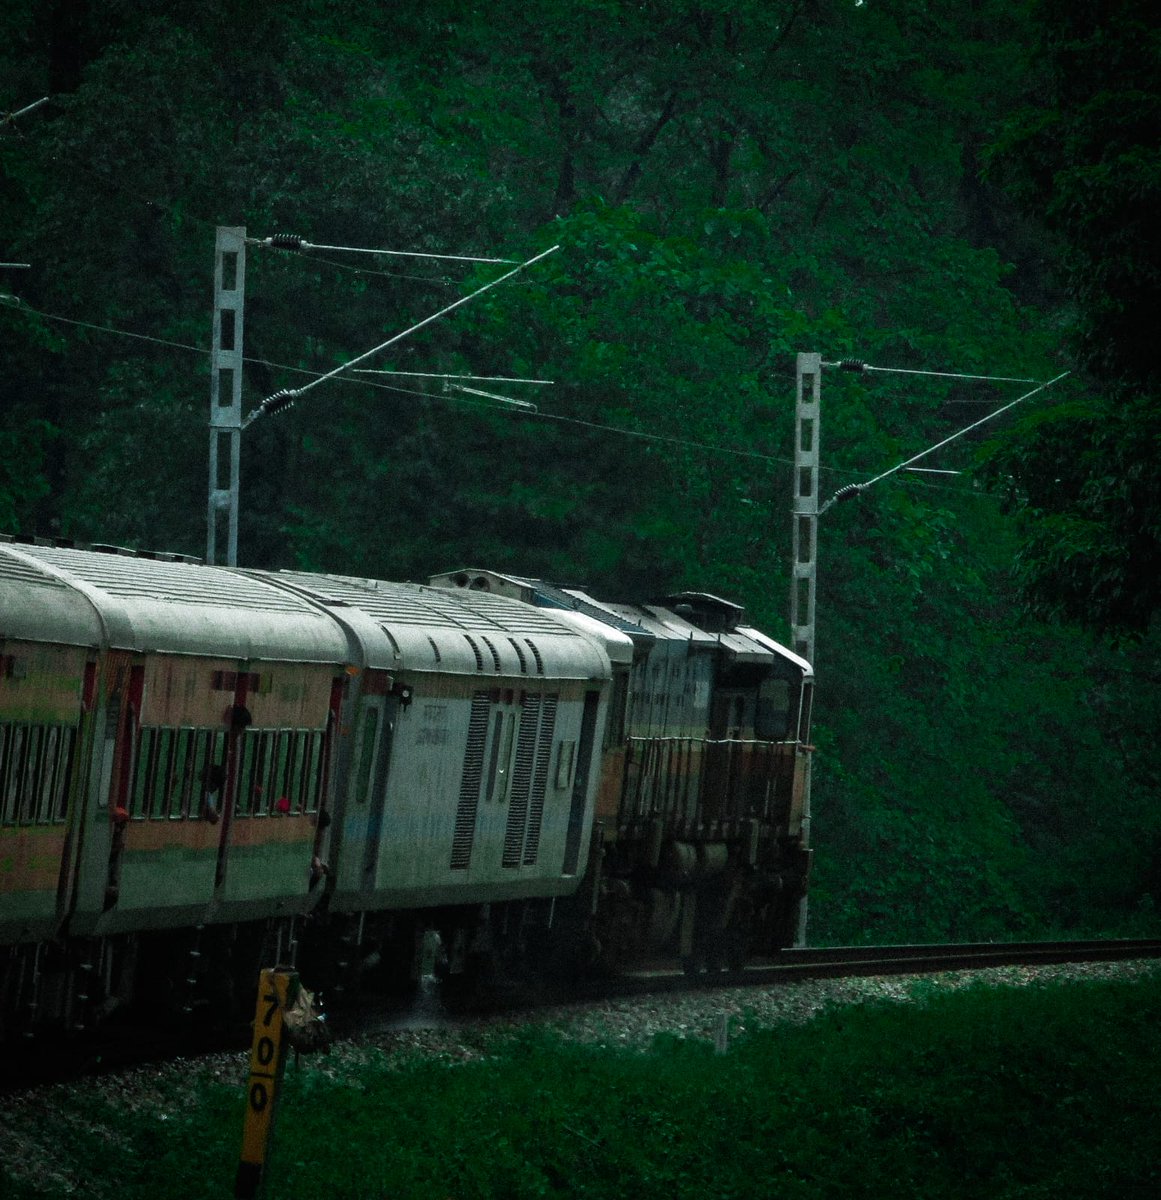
(804, 540)
(226, 392)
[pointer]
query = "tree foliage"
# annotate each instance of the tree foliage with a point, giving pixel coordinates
(1084, 157)
(728, 184)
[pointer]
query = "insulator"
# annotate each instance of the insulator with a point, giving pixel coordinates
(847, 491)
(852, 364)
(279, 401)
(287, 241)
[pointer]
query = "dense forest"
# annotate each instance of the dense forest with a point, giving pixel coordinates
(926, 185)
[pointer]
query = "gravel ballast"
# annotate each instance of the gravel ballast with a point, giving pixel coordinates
(34, 1120)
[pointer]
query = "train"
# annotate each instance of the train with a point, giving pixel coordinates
(205, 770)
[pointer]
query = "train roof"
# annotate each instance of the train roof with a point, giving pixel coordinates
(135, 602)
(411, 626)
(36, 604)
(540, 594)
(469, 622)
(697, 619)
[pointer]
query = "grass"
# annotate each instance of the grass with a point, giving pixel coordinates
(1028, 1093)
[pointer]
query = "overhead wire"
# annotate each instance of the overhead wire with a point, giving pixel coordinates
(559, 418)
(317, 376)
(106, 181)
(350, 268)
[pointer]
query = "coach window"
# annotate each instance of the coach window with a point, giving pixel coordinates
(35, 763)
(247, 746)
(58, 762)
(176, 803)
(163, 760)
(12, 770)
(33, 752)
(108, 749)
(210, 767)
(503, 732)
(264, 751)
(198, 771)
(64, 773)
(277, 791)
(7, 761)
(805, 715)
(50, 765)
(293, 747)
(253, 774)
(315, 764)
(298, 787)
(140, 793)
(565, 758)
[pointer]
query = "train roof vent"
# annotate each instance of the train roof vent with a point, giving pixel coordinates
(536, 655)
(415, 604)
(520, 655)
(120, 573)
(18, 569)
(471, 641)
(494, 652)
(391, 638)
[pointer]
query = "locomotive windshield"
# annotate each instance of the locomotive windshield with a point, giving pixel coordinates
(776, 717)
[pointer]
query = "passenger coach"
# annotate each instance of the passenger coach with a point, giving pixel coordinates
(193, 759)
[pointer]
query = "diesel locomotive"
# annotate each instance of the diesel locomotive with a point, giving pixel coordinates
(205, 770)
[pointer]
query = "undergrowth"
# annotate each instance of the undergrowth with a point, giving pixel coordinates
(1030, 1093)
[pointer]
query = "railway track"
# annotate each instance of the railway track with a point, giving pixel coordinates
(117, 1048)
(790, 966)
(836, 961)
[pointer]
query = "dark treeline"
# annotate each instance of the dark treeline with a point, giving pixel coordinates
(924, 185)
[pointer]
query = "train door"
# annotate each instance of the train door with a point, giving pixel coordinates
(727, 713)
(580, 784)
(124, 722)
(374, 760)
(238, 721)
(492, 832)
(97, 798)
(87, 744)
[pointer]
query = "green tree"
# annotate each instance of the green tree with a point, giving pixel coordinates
(1085, 157)
(729, 184)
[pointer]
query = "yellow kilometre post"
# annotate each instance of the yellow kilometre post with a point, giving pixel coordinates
(267, 1059)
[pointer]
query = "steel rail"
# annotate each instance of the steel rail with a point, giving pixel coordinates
(835, 961)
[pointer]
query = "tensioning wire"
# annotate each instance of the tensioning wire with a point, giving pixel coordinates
(287, 241)
(858, 367)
